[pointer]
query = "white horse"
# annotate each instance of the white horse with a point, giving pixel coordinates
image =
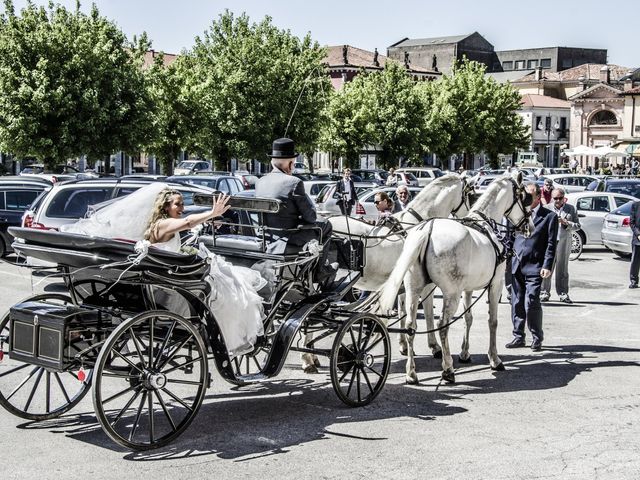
(456, 257)
(446, 195)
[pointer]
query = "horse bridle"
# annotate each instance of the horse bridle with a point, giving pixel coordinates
(519, 191)
(467, 189)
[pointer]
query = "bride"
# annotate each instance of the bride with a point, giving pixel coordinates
(154, 213)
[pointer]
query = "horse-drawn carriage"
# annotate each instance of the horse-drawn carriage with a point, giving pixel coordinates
(136, 326)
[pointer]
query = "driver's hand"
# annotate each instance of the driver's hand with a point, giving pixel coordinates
(544, 273)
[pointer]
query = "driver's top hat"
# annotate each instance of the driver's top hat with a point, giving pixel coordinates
(283, 148)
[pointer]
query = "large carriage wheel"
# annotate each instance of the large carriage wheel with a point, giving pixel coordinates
(150, 379)
(33, 392)
(360, 359)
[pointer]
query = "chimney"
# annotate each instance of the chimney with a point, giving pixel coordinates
(538, 74)
(604, 74)
(582, 80)
(628, 82)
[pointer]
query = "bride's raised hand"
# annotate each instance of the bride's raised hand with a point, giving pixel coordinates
(220, 205)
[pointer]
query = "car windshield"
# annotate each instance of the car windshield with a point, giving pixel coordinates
(624, 209)
(323, 193)
(437, 173)
(186, 164)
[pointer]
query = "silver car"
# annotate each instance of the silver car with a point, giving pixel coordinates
(592, 207)
(571, 182)
(327, 199)
(365, 207)
(616, 230)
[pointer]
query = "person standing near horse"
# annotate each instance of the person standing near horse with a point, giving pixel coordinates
(346, 193)
(402, 199)
(635, 245)
(531, 264)
(547, 191)
(568, 222)
(297, 208)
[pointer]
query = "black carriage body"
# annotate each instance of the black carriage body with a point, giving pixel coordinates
(50, 335)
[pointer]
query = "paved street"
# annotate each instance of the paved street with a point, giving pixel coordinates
(568, 412)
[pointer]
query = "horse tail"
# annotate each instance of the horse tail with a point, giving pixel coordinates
(415, 243)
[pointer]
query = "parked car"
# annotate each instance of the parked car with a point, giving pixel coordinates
(224, 183)
(616, 230)
(483, 182)
(376, 176)
(59, 173)
(365, 207)
(559, 171)
(405, 178)
(66, 202)
(571, 182)
(300, 167)
(424, 175)
(188, 167)
(326, 201)
(314, 187)
(628, 186)
(592, 207)
(15, 198)
(248, 179)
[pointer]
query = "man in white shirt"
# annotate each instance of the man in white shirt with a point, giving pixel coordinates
(346, 193)
(403, 198)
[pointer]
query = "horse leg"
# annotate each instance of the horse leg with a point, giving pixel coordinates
(449, 307)
(427, 308)
(310, 362)
(402, 338)
(494, 297)
(465, 357)
(411, 300)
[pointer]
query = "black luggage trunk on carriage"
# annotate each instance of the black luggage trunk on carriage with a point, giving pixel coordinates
(50, 335)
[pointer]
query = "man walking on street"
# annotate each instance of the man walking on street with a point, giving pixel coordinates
(346, 192)
(568, 222)
(635, 244)
(532, 262)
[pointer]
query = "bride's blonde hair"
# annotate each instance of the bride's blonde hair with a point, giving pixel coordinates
(159, 211)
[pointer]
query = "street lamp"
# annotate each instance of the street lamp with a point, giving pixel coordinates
(549, 132)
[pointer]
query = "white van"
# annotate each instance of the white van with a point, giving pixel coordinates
(425, 175)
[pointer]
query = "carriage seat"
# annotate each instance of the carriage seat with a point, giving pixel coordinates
(246, 243)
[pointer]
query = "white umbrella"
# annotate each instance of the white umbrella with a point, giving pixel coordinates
(609, 152)
(580, 150)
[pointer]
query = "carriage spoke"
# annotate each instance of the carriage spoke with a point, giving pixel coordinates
(175, 352)
(374, 344)
(151, 342)
(48, 393)
(353, 376)
(119, 394)
(367, 338)
(137, 420)
(127, 360)
(186, 364)
(33, 390)
(346, 372)
(138, 350)
(182, 382)
(373, 371)
(364, 374)
(126, 407)
(152, 426)
(165, 342)
(255, 360)
(13, 370)
(64, 391)
(353, 339)
(172, 395)
(164, 408)
(360, 327)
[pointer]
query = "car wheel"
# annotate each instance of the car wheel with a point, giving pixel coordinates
(576, 245)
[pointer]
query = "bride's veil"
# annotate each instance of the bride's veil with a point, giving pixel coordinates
(126, 217)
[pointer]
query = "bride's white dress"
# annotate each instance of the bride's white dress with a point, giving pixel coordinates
(234, 300)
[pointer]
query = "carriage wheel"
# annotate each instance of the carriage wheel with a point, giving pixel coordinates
(33, 392)
(151, 377)
(576, 246)
(360, 359)
(254, 362)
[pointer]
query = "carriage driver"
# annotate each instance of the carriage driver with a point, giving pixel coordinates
(297, 208)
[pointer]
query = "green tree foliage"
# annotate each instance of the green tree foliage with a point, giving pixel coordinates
(381, 109)
(70, 84)
(249, 78)
(473, 113)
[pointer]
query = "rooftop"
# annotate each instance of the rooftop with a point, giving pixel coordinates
(411, 42)
(590, 71)
(359, 58)
(543, 101)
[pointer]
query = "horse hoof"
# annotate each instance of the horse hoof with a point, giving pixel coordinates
(464, 360)
(449, 377)
(438, 354)
(316, 363)
(411, 380)
(310, 369)
(499, 367)
(403, 351)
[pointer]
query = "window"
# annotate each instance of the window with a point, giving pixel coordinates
(19, 200)
(223, 186)
(539, 123)
(604, 117)
(531, 64)
(124, 191)
(567, 63)
(545, 63)
(594, 204)
(1, 200)
(507, 65)
(235, 185)
(620, 201)
(73, 203)
(520, 65)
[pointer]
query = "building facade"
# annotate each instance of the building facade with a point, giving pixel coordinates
(553, 59)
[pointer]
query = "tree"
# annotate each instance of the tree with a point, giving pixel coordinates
(378, 108)
(255, 83)
(70, 84)
(473, 113)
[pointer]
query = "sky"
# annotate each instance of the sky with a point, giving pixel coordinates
(172, 25)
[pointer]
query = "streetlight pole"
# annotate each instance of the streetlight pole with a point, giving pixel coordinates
(548, 132)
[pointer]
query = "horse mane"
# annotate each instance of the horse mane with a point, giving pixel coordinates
(448, 180)
(488, 197)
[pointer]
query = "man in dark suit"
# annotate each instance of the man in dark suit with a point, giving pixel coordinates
(296, 221)
(635, 245)
(346, 193)
(532, 262)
